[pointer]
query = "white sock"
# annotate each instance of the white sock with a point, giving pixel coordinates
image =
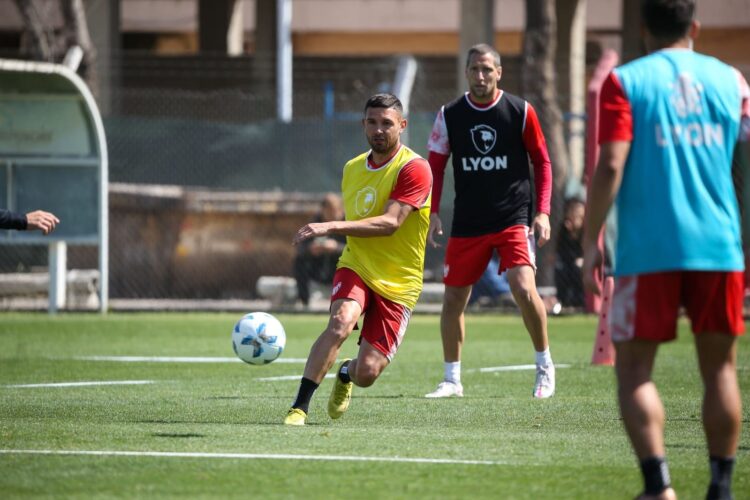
(544, 358)
(453, 371)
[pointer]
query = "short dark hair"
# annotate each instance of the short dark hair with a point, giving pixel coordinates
(483, 48)
(384, 100)
(668, 20)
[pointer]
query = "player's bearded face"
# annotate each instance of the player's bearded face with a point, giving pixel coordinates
(482, 75)
(383, 127)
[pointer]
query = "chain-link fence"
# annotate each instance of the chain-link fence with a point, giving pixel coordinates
(208, 187)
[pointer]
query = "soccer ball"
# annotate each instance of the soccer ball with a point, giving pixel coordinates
(258, 338)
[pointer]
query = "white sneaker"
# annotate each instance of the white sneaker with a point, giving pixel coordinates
(447, 389)
(544, 387)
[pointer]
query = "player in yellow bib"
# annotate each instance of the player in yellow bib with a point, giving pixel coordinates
(386, 195)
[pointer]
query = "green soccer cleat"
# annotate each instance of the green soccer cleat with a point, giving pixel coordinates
(341, 395)
(295, 417)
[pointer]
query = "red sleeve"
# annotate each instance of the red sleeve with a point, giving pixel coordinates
(615, 113)
(745, 108)
(413, 184)
(437, 163)
(536, 146)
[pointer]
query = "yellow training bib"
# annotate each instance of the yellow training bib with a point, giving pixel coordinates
(392, 266)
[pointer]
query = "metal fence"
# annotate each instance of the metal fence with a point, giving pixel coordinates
(208, 187)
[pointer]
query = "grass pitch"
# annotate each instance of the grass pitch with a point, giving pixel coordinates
(213, 429)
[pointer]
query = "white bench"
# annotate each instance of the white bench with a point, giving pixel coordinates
(432, 293)
(280, 290)
(81, 290)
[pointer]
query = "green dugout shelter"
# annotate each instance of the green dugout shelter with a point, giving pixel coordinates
(53, 156)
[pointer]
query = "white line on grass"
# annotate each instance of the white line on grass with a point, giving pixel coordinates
(252, 456)
(176, 359)
(509, 368)
(82, 384)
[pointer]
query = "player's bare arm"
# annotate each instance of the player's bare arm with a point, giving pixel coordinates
(604, 188)
(436, 229)
(541, 228)
(382, 225)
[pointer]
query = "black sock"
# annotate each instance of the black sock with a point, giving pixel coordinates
(721, 478)
(304, 395)
(655, 475)
(344, 373)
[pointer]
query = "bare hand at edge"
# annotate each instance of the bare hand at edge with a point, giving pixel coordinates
(436, 228)
(44, 221)
(541, 228)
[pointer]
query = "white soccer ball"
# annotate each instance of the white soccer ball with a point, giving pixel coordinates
(258, 338)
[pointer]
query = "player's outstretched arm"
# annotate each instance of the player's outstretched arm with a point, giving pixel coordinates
(381, 225)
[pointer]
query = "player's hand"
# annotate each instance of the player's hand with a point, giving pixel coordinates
(436, 228)
(312, 230)
(44, 221)
(541, 228)
(592, 268)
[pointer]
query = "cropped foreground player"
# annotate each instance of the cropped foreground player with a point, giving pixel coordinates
(669, 123)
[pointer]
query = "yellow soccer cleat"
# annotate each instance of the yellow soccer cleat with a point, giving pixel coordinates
(295, 417)
(341, 395)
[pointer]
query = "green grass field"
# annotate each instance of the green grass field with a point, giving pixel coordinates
(213, 429)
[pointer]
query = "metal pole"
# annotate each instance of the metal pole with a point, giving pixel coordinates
(284, 60)
(403, 83)
(58, 272)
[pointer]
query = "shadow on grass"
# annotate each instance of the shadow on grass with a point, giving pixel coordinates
(686, 446)
(700, 447)
(177, 435)
(207, 422)
(264, 397)
(176, 422)
(395, 396)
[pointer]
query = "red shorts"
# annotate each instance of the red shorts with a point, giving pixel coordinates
(467, 258)
(646, 306)
(385, 321)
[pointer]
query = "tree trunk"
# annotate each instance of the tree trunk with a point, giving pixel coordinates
(266, 46)
(76, 32)
(477, 26)
(539, 88)
(632, 43)
(571, 68)
(43, 42)
(38, 34)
